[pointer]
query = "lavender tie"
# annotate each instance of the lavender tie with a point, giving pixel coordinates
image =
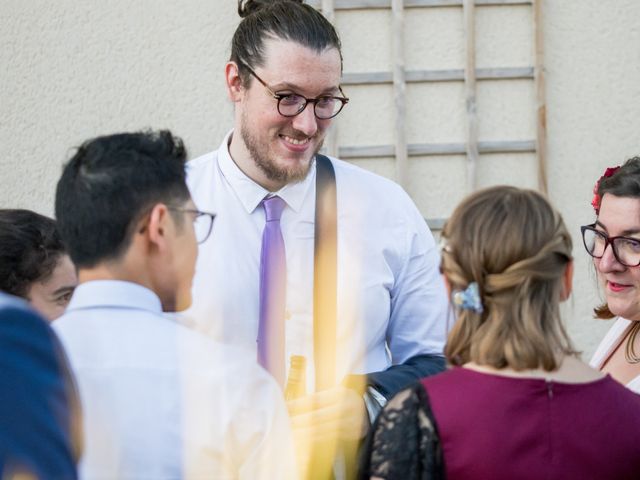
(273, 275)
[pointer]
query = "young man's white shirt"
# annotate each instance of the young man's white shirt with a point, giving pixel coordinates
(163, 401)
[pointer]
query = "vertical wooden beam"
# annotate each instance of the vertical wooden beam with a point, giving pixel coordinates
(331, 140)
(468, 8)
(399, 92)
(329, 10)
(541, 103)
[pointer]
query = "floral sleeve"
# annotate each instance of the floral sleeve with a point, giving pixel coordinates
(404, 443)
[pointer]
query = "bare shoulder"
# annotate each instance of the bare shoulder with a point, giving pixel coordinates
(573, 370)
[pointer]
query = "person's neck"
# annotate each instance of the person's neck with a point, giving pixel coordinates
(113, 271)
(570, 370)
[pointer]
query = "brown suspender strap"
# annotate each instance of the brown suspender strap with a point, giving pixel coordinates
(325, 275)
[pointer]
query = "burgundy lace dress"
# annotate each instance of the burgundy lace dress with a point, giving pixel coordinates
(464, 424)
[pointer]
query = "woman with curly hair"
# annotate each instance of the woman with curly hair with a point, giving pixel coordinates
(34, 264)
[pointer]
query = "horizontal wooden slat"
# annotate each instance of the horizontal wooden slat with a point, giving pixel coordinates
(415, 76)
(436, 223)
(364, 4)
(509, 146)
(376, 151)
(426, 149)
(500, 73)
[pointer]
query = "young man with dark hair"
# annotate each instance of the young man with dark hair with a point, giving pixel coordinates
(284, 79)
(34, 264)
(160, 400)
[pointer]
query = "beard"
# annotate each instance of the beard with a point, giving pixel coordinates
(267, 163)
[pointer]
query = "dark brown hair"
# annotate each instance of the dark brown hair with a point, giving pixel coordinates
(30, 249)
(281, 19)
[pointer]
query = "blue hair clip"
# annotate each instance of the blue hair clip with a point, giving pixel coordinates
(469, 298)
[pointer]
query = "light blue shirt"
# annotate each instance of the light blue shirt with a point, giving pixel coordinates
(162, 401)
(10, 301)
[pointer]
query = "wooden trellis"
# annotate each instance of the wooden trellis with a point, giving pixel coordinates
(399, 77)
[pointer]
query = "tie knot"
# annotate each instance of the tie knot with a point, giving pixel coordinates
(273, 207)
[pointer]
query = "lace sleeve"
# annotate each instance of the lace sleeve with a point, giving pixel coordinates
(404, 443)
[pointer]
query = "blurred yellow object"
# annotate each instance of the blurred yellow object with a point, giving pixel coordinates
(297, 381)
(325, 426)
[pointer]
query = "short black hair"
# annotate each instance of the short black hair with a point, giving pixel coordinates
(109, 184)
(281, 19)
(30, 247)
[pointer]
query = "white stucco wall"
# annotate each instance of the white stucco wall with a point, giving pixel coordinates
(593, 106)
(74, 69)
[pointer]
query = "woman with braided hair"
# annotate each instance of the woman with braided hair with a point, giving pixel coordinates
(517, 402)
(616, 203)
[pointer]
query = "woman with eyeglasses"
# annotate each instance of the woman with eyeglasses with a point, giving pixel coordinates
(614, 243)
(517, 403)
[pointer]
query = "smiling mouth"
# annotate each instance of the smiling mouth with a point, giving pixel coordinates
(295, 141)
(617, 287)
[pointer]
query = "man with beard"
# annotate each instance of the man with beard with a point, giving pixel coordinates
(284, 79)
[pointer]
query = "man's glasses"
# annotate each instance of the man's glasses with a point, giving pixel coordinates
(292, 104)
(626, 250)
(202, 222)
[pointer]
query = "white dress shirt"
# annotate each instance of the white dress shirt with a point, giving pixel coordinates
(161, 401)
(391, 299)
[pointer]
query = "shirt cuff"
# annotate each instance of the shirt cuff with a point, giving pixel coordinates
(374, 402)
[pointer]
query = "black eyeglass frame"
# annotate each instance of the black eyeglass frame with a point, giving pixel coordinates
(280, 96)
(198, 214)
(607, 241)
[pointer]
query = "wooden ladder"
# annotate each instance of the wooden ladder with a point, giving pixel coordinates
(399, 77)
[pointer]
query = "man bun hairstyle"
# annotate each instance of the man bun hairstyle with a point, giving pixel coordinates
(110, 184)
(625, 182)
(247, 7)
(516, 247)
(289, 20)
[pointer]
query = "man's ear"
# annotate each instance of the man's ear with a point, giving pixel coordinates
(158, 225)
(234, 82)
(567, 281)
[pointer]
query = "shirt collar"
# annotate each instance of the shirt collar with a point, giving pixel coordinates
(250, 193)
(115, 294)
(9, 301)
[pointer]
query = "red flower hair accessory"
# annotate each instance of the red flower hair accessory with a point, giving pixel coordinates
(595, 202)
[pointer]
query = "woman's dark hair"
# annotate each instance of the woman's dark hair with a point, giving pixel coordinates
(281, 19)
(30, 249)
(625, 182)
